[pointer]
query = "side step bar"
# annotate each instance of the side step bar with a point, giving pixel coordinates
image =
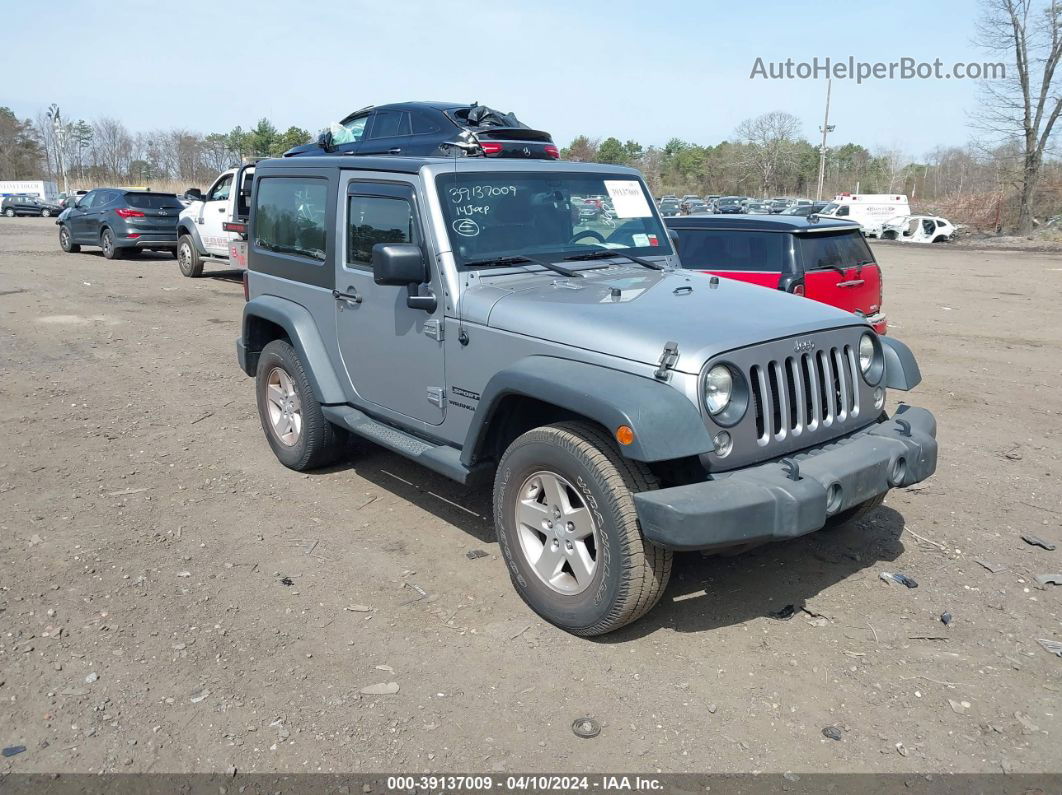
(443, 458)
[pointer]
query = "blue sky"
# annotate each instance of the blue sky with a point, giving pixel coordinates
(641, 70)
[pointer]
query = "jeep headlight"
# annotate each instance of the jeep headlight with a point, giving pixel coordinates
(718, 389)
(866, 353)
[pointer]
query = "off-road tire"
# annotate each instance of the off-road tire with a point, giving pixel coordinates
(110, 251)
(631, 573)
(66, 242)
(320, 443)
(855, 513)
(188, 259)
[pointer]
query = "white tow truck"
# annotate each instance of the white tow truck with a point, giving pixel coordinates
(206, 228)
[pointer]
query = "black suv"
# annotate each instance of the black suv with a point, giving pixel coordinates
(23, 204)
(427, 129)
(120, 221)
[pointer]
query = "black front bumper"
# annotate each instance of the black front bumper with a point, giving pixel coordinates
(765, 503)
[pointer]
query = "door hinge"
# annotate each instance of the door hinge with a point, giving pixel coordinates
(667, 361)
(436, 396)
(433, 329)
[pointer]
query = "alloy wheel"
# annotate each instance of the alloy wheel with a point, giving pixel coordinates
(285, 408)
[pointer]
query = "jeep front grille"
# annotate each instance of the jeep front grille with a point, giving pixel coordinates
(803, 392)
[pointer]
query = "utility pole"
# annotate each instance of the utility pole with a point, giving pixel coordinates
(826, 128)
(60, 155)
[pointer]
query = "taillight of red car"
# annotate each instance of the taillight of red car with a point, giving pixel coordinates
(125, 212)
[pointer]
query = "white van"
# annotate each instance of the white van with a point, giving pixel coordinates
(869, 210)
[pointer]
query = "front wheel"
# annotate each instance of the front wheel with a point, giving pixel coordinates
(65, 241)
(291, 417)
(568, 531)
(46, 213)
(188, 259)
(9, 213)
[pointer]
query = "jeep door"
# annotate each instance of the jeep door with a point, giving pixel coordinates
(216, 209)
(392, 354)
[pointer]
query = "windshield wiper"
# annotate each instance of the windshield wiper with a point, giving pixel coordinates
(516, 260)
(607, 253)
(823, 267)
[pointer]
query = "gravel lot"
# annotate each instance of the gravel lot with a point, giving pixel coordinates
(172, 599)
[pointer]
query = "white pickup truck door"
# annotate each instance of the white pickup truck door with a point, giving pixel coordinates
(216, 210)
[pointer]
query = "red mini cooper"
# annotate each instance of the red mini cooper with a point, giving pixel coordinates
(822, 258)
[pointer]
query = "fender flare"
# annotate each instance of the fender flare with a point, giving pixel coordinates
(666, 424)
(305, 337)
(184, 226)
(901, 368)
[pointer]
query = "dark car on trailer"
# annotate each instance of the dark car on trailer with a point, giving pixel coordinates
(823, 259)
(120, 222)
(427, 129)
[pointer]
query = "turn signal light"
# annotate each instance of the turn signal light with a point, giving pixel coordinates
(625, 435)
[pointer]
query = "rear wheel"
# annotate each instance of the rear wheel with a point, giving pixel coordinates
(65, 241)
(46, 213)
(568, 531)
(294, 424)
(110, 251)
(188, 259)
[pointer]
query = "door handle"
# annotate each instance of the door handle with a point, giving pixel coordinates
(221, 209)
(394, 151)
(351, 297)
(852, 283)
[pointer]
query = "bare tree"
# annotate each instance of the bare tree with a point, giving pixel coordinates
(112, 147)
(770, 146)
(1026, 104)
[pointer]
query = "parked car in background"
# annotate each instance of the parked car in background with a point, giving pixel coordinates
(428, 129)
(778, 206)
(804, 209)
(694, 206)
(120, 222)
(24, 204)
(825, 260)
(758, 208)
(918, 229)
(729, 205)
(669, 206)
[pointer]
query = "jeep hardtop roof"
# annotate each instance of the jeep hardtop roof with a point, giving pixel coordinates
(413, 165)
(762, 223)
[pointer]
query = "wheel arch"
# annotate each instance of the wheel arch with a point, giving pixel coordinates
(269, 317)
(186, 227)
(538, 390)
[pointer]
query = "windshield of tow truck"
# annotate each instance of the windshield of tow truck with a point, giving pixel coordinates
(492, 215)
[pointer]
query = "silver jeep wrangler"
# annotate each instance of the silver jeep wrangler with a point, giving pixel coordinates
(467, 314)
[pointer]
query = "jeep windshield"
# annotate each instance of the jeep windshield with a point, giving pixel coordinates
(492, 217)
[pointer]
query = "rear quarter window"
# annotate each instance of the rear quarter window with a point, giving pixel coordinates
(290, 216)
(731, 250)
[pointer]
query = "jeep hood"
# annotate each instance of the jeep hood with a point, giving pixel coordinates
(633, 312)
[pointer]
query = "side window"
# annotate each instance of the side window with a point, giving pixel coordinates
(424, 124)
(88, 200)
(731, 250)
(350, 131)
(377, 219)
(390, 124)
(842, 210)
(220, 192)
(290, 216)
(103, 198)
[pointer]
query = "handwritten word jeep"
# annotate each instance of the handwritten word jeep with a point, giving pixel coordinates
(465, 314)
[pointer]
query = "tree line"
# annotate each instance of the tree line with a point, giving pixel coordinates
(105, 151)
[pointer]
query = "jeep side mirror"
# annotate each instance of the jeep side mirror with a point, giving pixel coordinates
(402, 264)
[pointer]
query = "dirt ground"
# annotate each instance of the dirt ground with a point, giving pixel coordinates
(172, 599)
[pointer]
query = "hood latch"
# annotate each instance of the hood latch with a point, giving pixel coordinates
(667, 361)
